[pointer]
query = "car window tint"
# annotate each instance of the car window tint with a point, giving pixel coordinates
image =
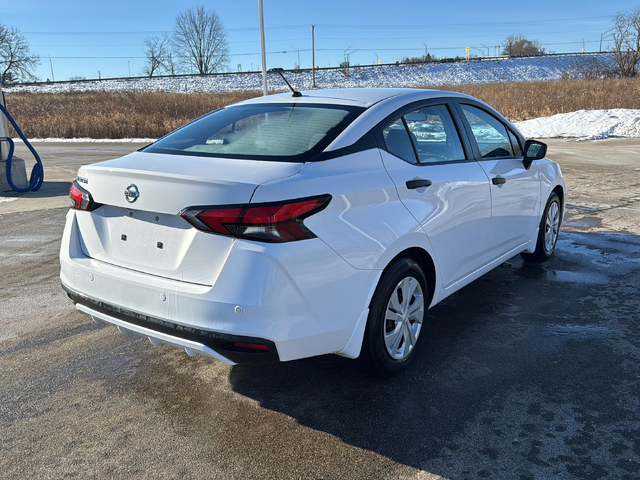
(515, 144)
(262, 131)
(490, 134)
(398, 142)
(435, 134)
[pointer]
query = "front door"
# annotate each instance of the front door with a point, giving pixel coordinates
(447, 192)
(515, 191)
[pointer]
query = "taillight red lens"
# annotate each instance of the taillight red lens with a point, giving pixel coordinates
(79, 198)
(267, 222)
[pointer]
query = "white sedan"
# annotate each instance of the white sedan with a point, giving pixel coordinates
(285, 226)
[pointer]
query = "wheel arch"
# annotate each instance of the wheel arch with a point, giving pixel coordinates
(558, 190)
(426, 263)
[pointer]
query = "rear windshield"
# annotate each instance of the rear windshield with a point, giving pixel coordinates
(285, 132)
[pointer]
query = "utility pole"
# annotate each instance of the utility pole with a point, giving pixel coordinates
(265, 91)
(604, 36)
(296, 48)
(53, 79)
(313, 55)
(129, 65)
(488, 54)
(426, 51)
(346, 60)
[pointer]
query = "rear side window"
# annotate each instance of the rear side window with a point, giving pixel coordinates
(286, 132)
(398, 142)
(435, 135)
(489, 132)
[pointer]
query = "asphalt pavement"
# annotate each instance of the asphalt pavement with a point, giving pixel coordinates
(529, 372)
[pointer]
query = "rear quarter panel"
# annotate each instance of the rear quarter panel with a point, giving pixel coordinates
(365, 223)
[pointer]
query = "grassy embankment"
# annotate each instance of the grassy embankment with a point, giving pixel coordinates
(151, 115)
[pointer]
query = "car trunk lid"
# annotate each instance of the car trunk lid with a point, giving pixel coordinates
(146, 233)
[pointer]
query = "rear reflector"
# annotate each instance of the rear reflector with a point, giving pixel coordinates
(266, 222)
(80, 199)
(252, 346)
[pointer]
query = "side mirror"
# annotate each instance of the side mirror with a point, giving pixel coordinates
(533, 150)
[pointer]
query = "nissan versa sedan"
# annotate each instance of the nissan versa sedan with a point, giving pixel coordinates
(285, 227)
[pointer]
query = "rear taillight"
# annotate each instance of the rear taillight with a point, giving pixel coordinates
(265, 222)
(80, 199)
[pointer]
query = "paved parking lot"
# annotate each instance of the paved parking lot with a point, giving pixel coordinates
(530, 372)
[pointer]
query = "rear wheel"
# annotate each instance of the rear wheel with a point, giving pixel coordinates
(396, 317)
(548, 232)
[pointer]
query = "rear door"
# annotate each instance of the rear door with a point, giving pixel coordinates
(440, 183)
(515, 191)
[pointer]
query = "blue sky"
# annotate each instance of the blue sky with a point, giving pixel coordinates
(388, 29)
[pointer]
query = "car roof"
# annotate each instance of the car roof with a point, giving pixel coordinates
(362, 97)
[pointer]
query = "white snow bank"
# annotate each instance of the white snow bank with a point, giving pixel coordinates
(428, 75)
(584, 125)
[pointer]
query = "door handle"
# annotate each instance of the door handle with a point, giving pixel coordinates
(418, 183)
(498, 180)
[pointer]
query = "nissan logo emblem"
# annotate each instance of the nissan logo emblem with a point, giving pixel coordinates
(131, 193)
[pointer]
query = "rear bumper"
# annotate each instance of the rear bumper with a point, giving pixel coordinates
(301, 298)
(193, 340)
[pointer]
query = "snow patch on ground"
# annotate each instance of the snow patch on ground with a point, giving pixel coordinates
(7, 199)
(584, 125)
(494, 70)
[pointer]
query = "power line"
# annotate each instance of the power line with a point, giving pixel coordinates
(156, 32)
(332, 26)
(306, 50)
(466, 25)
(297, 39)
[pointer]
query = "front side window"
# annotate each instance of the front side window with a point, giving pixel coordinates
(286, 132)
(435, 135)
(490, 134)
(517, 150)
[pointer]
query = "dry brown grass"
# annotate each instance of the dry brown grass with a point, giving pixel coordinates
(122, 115)
(522, 101)
(111, 115)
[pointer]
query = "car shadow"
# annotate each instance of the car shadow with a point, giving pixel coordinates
(519, 374)
(48, 190)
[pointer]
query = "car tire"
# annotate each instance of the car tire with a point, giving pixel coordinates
(548, 231)
(388, 345)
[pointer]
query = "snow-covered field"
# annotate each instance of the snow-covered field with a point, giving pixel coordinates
(585, 125)
(433, 74)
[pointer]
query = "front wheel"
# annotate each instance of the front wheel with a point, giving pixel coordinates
(396, 317)
(548, 232)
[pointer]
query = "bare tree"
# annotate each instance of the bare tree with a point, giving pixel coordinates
(200, 40)
(626, 41)
(169, 66)
(156, 51)
(16, 59)
(519, 46)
